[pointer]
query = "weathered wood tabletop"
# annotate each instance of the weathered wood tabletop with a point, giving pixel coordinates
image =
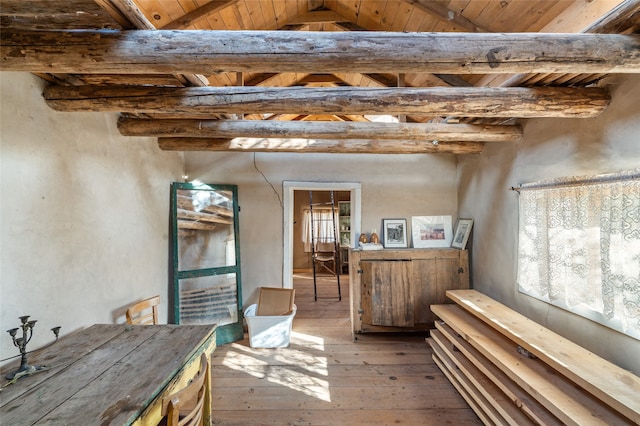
(106, 374)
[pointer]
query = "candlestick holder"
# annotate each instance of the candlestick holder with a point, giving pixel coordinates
(21, 343)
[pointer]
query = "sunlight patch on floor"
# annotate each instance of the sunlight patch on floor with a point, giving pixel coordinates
(305, 383)
(312, 342)
(300, 370)
(241, 362)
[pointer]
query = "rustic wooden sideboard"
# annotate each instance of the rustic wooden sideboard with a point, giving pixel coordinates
(392, 289)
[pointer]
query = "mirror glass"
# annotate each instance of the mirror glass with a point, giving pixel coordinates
(205, 229)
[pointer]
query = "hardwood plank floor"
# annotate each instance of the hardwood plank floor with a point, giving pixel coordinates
(324, 378)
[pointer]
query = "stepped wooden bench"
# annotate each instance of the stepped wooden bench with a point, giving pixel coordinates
(512, 370)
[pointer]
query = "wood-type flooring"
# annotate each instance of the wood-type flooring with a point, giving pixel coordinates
(325, 378)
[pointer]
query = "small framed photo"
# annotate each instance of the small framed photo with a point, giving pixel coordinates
(431, 231)
(463, 230)
(394, 233)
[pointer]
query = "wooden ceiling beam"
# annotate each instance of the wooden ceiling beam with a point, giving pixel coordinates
(319, 78)
(380, 80)
(442, 12)
(128, 11)
(161, 80)
(199, 13)
(580, 17)
(163, 51)
(317, 16)
(69, 14)
(186, 203)
(202, 217)
(201, 102)
(451, 80)
(189, 224)
(227, 129)
(332, 146)
(260, 79)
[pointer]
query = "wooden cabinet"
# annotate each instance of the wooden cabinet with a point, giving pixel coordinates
(392, 290)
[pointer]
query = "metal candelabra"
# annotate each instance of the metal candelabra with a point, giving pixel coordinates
(21, 344)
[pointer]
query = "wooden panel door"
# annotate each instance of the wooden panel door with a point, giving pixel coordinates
(387, 299)
(425, 290)
(431, 278)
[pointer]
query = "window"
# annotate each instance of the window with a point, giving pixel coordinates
(321, 228)
(579, 247)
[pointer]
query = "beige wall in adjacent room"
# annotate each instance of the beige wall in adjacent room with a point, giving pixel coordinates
(84, 215)
(550, 148)
(393, 186)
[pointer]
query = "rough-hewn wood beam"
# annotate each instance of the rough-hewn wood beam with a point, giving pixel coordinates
(165, 80)
(579, 17)
(207, 52)
(201, 102)
(451, 80)
(128, 11)
(186, 203)
(317, 130)
(319, 145)
(69, 14)
(188, 224)
(203, 217)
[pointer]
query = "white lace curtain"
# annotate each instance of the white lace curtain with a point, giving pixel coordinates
(579, 247)
(323, 226)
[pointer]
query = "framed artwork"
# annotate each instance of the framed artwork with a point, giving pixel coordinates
(463, 230)
(431, 231)
(394, 233)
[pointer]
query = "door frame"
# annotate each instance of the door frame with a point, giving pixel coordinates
(288, 189)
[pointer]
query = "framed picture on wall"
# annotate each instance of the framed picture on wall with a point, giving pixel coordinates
(461, 236)
(431, 231)
(394, 233)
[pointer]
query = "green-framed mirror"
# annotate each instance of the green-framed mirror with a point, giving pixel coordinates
(206, 258)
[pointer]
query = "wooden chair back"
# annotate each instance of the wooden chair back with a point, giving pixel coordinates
(326, 257)
(144, 312)
(326, 248)
(186, 406)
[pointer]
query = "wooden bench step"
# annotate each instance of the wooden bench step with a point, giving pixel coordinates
(494, 402)
(615, 386)
(454, 379)
(518, 396)
(558, 394)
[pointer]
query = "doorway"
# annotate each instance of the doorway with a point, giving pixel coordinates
(289, 189)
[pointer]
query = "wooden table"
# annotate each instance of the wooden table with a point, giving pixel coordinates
(107, 374)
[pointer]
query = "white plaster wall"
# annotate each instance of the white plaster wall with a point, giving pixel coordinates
(550, 148)
(84, 215)
(393, 186)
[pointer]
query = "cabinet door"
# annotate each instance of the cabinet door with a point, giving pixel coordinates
(451, 275)
(425, 290)
(387, 299)
(431, 279)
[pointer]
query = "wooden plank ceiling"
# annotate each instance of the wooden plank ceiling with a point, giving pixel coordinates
(337, 76)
